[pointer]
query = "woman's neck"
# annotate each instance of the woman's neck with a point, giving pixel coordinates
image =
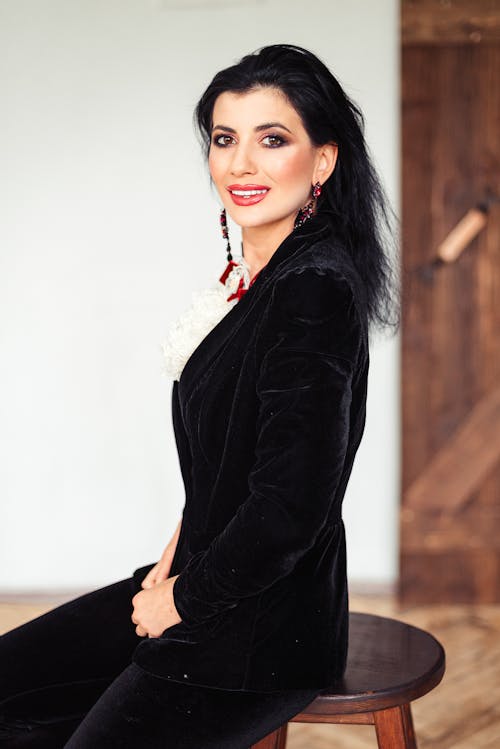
(261, 242)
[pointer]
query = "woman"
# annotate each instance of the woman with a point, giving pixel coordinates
(244, 619)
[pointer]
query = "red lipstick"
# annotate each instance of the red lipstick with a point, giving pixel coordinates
(247, 194)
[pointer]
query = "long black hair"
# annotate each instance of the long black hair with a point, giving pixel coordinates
(353, 196)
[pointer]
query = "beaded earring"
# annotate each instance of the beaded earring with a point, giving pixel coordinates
(305, 213)
(236, 276)
(225, 233)
(231, 263)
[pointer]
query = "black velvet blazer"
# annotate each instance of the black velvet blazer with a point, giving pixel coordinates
(268, 414)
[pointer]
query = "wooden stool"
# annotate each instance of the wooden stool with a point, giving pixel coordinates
(389, 664)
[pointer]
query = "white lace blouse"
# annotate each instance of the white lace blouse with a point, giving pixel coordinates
(208, 307)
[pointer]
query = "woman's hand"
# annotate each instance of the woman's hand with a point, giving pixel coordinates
(161, 570)
(154, 609)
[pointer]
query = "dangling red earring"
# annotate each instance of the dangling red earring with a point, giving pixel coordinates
(236, 275)
(225, 233)
(317, 190)
(305, 213)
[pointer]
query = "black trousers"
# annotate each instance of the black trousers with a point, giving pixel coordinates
(67, 680)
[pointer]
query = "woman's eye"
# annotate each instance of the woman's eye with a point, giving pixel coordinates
(276, 141)
(217, 140)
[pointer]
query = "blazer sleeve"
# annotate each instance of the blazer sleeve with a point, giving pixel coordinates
(309, 344)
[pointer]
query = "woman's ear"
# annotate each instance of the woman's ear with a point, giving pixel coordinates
(325, 162)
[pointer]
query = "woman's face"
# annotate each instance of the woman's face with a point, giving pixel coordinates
(262, 160)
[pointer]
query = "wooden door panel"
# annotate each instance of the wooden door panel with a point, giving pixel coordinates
(450, 516)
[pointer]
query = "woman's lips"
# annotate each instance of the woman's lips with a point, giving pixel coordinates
(247, 194)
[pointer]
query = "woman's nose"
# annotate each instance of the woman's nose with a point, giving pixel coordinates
(242, 162)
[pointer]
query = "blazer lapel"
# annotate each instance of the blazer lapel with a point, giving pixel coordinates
(303, 236)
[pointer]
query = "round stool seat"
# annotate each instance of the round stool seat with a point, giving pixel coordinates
(389, 663)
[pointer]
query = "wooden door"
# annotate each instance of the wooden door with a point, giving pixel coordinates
(450, 514)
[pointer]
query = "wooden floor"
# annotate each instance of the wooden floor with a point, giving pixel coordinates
(463, 712)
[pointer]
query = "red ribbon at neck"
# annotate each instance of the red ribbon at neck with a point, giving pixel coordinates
(240, 290)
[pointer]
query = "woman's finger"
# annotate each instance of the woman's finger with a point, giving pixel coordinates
(150, 578)
(153, 580)
(163, 570)
(158, 573)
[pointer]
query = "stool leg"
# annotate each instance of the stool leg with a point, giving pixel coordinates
(394, 728)
(274, 740)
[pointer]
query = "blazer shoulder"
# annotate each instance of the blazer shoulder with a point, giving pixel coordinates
(328, 256)
(314, 307)
(322, 279)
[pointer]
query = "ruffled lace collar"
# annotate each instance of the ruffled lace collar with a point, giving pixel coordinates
(208, 307)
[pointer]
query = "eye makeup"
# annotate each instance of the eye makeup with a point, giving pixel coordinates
(281, 141)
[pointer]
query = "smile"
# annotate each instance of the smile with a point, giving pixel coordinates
(247, 194)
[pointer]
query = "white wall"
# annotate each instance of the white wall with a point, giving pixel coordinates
(101, 180)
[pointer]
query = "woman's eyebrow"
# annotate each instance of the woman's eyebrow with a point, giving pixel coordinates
(271, 124)
(264, 126)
